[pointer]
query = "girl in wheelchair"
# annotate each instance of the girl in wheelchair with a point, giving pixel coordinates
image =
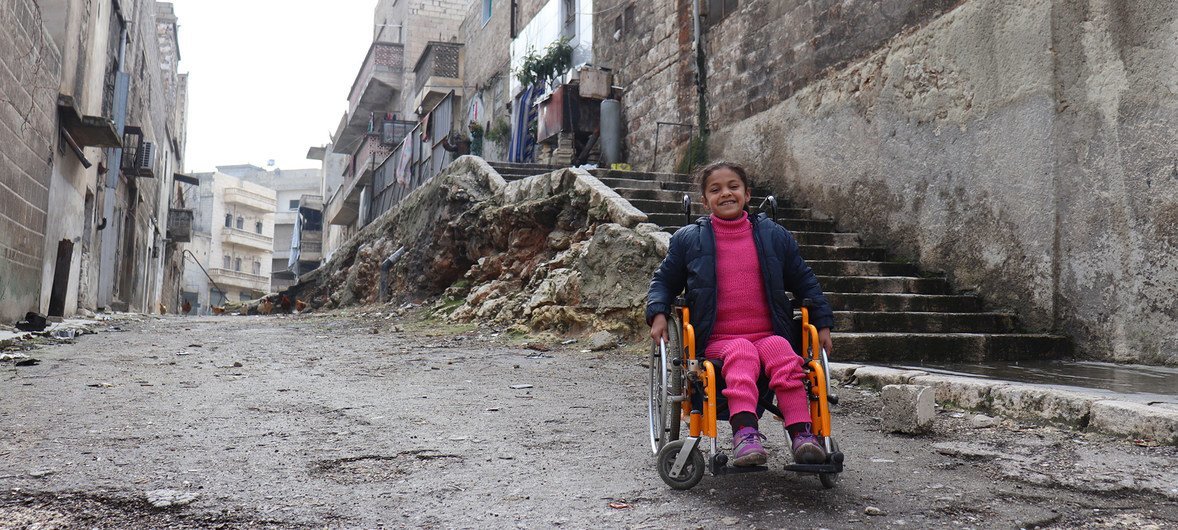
(737, 269)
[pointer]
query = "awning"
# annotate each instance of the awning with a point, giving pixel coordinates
(187, 179)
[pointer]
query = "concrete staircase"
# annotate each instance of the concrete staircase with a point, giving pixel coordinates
(513, 171)
(884, 310)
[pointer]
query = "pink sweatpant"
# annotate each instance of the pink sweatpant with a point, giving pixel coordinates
(744, 358)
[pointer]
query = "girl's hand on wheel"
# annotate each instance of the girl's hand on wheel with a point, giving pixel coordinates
(824, 341)
(658, 327)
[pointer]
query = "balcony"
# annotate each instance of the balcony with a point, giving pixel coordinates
(437, 72)
(227, 279)
(248, 199)
(345, 205)
(245, 238)
(376, 90)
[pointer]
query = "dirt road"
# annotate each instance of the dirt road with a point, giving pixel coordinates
(346, 420)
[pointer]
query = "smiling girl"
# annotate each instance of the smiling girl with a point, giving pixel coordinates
(736, 270)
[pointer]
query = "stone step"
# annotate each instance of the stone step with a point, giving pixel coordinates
(948, 347)
(643, 175)
(828, 252)
(883, 284)
(831, 239)
(647, 185)
(872, 321)
(952, 303)
(517, 165)
(861, 268)
(672, 206)
(804, 225)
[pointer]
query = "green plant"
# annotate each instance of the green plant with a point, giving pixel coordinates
(536, 68)
(499, 130)
(695, 156)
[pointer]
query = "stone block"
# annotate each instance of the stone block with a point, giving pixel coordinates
(877, 377)
(962, 392)
(1060, 407)
(908, 409)
(1137, 420)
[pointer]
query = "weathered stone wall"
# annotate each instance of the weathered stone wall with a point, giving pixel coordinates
(30, 69)
(1025, 147)
(756, 57)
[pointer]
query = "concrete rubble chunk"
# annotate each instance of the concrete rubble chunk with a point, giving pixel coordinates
(908, 409)
(602, 340)
(165, 498)
(962, 392)
(876, 376)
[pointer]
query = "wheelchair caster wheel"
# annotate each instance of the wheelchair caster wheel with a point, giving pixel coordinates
(689, 476)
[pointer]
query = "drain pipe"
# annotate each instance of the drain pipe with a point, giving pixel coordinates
(384, 271)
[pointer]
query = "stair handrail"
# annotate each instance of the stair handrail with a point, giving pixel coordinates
(772, 206)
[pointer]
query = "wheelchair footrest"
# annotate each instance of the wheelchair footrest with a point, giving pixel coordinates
(727, 470)
(832, 465)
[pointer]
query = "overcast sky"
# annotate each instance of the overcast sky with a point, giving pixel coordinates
(267, 78)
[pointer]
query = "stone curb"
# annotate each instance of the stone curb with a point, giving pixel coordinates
(1084, 411)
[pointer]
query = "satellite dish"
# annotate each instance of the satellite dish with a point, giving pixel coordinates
(270, 163)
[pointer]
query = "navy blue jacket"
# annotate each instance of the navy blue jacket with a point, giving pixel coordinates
(691, 263)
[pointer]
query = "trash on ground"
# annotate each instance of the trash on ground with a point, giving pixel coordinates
(520, 387)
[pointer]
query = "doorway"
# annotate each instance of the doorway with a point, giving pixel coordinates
(61, 277)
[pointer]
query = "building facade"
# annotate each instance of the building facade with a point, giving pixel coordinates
(95, 124)
(289, 185)
(233, 241)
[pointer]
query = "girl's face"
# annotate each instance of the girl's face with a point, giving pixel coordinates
(725, 194)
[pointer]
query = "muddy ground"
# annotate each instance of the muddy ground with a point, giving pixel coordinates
(359, 420)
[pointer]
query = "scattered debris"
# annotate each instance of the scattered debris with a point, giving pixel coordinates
(872, 510)
(620, 505)
(520, 387)
(166, 498)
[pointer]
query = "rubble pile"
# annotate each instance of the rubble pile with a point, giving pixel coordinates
(558, 251)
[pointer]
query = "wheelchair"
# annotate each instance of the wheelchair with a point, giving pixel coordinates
(687, 389)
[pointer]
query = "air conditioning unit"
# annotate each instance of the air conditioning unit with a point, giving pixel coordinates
(145, 160)
(138, 155)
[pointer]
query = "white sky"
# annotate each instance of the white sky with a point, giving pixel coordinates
(268, 78)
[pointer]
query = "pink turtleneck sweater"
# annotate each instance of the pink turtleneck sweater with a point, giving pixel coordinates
(741, 307)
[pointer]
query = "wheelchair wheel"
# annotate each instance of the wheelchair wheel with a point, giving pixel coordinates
(829, 480)
(692, 472)
(666, 380)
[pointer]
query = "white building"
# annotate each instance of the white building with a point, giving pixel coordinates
(233, 240)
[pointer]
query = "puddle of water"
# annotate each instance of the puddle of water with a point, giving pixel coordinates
(1148, 382)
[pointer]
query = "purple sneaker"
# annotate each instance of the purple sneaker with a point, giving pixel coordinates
(808, 449)
(747, 450)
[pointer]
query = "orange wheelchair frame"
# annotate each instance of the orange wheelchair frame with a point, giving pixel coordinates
(684, 388)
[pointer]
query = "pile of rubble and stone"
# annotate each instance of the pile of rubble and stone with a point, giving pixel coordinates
(558, 251)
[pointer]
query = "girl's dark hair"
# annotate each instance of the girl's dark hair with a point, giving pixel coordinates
(702, 174)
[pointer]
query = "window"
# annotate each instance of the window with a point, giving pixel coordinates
(237, 264)
(258, 227)
(257, 268)
(486, 11)
(226, 262)
(240, 223)
(228, 220)
(294, 204)
(718, 10)
(569, 25)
